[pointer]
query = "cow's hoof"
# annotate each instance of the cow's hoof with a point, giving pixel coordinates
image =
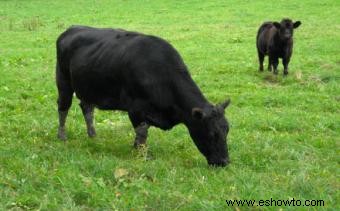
(91, 133)
(137, 145)
(62, 137)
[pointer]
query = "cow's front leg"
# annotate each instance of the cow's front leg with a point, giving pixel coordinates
(285, 62)
(88, 111)
(138, 120)
(275, 62)
(141, 134)
(269, 64)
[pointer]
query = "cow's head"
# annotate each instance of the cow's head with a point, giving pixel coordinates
(286, 28)
(209, 130)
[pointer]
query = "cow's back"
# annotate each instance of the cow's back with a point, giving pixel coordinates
(79, 40)
(110, 67)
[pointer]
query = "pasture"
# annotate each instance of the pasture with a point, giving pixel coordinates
(284, 135)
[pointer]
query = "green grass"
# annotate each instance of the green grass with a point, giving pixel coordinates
(284, 137)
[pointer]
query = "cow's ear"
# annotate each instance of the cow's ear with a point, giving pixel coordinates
(197, 113)
(297, 24)
(222, 106)
(277, 25)
(225, 104)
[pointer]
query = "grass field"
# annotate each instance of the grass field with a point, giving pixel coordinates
(284, 136)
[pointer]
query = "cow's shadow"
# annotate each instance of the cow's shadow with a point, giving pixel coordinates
(279, 79)
(120, 147)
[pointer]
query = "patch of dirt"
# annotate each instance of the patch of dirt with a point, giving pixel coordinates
(271, 78)
(298, 75)
(326, 66)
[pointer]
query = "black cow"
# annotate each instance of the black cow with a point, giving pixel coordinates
(276, 40)
(114, 69)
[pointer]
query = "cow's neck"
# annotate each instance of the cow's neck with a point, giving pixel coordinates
(189, 96)
(280, 42)
(277, 40)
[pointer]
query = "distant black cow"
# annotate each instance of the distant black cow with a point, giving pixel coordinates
(144, 75)
(276, 40)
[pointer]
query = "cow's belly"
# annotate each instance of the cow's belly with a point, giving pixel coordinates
(102, 102)
(108, 103)
(162, 118)
(107, 98)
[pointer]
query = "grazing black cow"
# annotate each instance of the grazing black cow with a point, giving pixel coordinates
(113, 69)
(276, 40)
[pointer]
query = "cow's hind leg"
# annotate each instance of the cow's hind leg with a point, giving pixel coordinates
(65, 93)
(275, 63)
(269, 64)
(88, 112)
(141, 130)
(261, 59)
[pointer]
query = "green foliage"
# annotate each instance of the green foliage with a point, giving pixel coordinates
(284, 137)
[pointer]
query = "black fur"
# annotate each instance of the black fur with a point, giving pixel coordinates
(276, 40)
(144, 75)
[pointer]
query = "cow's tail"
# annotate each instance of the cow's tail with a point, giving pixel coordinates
(63, 78)
(62, 60)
